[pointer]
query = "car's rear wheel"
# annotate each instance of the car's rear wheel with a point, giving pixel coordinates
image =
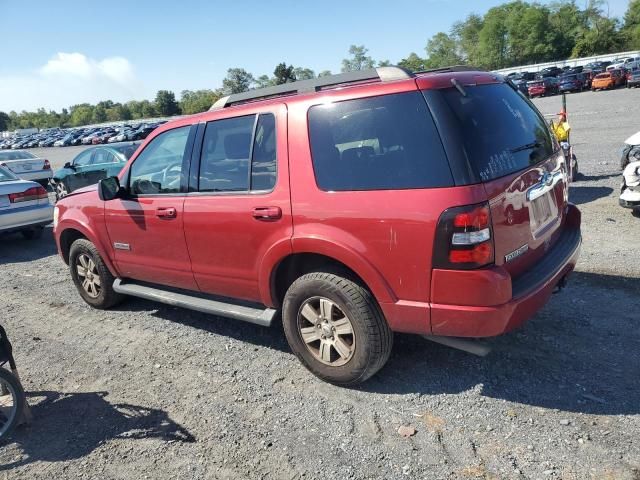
(91, 276)
(336, 328)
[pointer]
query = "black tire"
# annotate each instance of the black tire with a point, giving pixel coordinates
(32, 233)
(105, 296)
(13, 387)
(374, 338)
(624, 158)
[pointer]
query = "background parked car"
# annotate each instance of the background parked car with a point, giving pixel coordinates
(90, 166)
(27, 166)
(633, 78)
(543, 87)
(603, 81)
(24, 206)
(571, 83)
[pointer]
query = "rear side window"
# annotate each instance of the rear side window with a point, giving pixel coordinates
(239, 154)
(380, 143)
(502, 132)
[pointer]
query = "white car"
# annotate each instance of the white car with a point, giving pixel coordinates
(628, 63)
(27, 166)
(24, 206)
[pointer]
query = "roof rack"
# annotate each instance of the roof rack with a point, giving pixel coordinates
(454, 68)
(383, 74)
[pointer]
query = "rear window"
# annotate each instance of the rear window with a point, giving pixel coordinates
(16, 156)
(6, 175)
(604, 75)
(380, 143)
(126, 150)
(501, 130)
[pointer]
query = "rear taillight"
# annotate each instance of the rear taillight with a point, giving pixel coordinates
(47, 165)
(35, 193)
(464, 238)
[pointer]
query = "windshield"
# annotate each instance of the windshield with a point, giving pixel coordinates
(503, 132)
(16, 156)
(6, 175)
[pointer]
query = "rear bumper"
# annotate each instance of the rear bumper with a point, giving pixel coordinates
(20, 218)
(529, 293)
(630, 198)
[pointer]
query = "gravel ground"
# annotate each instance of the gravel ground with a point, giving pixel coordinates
(150, 391)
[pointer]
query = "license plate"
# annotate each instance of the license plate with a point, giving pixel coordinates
(542, 211)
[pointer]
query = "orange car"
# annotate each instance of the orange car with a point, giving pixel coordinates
(603, 81)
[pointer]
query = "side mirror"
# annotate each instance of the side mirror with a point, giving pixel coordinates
(109, 189)
(68, 165)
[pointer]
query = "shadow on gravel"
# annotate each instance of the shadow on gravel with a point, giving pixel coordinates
(14, 248)
(581, 195)
(592, 178)
(68, 426)
(579, 354)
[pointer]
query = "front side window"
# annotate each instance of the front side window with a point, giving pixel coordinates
(379, 143)
(158, 169)
(83, 159)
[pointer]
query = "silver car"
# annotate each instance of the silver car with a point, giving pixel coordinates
(24, 206)
(27, 166)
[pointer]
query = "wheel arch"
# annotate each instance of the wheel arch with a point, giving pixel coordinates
(69, 233)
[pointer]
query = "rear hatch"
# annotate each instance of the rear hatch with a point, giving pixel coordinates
(508, 147)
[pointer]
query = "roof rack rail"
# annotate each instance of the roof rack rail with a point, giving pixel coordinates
(384, 74)
(453, 68)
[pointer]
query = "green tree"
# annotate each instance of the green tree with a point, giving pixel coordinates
(284, 74)
(413, 63)
(238, 80)
(467, 36)
(325, 73)
(264, 81)
(81, 114)
(166, 104)
(631, 29)
(442, 51)
(197, 101)
(148, 109)
(303, 73)
(359, 59)
(5, 121)
(493, 40)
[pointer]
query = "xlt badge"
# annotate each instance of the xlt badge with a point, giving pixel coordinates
(516, 253)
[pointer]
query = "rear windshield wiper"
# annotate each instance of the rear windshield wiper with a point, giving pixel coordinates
(528, 146)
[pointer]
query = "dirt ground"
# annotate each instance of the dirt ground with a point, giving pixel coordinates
(151, 391)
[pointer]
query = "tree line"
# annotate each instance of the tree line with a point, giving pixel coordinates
(514, 33)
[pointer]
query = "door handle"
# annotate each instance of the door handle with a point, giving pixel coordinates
(169, 212)
(267, 213)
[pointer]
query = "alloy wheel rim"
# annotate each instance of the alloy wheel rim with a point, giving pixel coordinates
(88, 274)
(61, 190)
(326, 331)
(8, 405)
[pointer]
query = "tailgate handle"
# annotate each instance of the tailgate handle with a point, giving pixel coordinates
(267, 213)
(169, 212)
(547, 182)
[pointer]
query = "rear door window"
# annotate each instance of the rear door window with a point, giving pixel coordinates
(379, 143)
(501, 131)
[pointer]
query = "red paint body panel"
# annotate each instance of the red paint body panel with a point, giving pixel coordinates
(215, 244)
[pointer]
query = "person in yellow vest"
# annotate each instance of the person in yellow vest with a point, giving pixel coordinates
(561, 128)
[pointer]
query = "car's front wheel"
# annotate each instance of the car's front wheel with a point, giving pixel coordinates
(336, 328)
(91, 276)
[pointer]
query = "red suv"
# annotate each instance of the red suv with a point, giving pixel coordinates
(355, 205)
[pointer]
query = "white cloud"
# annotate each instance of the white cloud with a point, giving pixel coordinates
(71, 78)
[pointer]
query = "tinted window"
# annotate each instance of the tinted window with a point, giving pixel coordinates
(263, 163)
(103, 156)
(158, 169)
(127, 150)
(16, 155)
(83, 159)
(502, 132)
(379, 143)
(226, 150)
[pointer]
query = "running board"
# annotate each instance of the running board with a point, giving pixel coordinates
(475, 347)
(262, 317)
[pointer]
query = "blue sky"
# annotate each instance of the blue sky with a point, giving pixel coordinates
(67, 52)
